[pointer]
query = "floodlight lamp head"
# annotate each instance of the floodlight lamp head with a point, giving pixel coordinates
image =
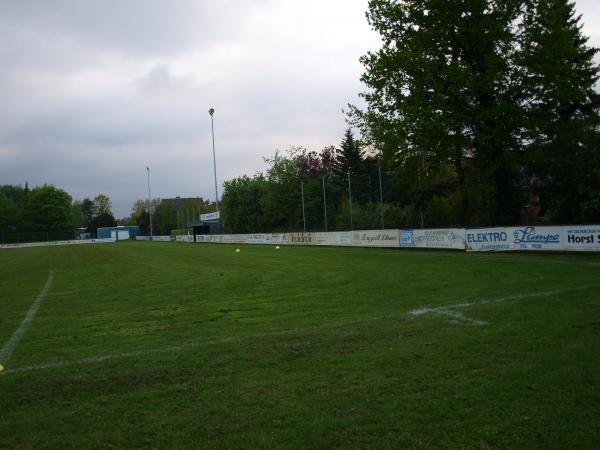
(211, 111)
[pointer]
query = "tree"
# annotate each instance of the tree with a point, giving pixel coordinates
(46, 208)
(349, 156)
(164, 218)
(102, 205)
(100, 221)
(281, 201)
(242, 204)
(77, 212)
(350, 162)
(559, 77)
(441, 93)
(7, 211)
(87, 210)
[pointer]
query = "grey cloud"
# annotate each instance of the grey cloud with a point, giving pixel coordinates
(93, 92)
(136, 27)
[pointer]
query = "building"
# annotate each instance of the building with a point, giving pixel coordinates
(119, 233)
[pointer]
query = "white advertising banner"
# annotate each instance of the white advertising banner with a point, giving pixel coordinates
(582, 238)
(345, 238)
(447, 238)
(515, 238)
(160, 238)
(326, 238)
(374, 238)
(210, 216)
(52, 243)
(259, 239)
(280, 239)
(300, 238)
(184, 238)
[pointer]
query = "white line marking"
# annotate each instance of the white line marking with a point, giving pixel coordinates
(447, 310)
(462, 318)
(190, 345)
(443, 310)
(10, 345)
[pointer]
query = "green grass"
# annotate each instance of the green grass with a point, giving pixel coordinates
(170, 345)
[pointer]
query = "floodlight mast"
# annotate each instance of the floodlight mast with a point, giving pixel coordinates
(149, 201)
(211, 111)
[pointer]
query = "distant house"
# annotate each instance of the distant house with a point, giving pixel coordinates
(119, 233)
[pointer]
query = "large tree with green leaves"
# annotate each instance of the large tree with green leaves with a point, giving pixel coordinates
(46, 208)
(102, 205)
(501, 92)
(561, 108)
(441, 93)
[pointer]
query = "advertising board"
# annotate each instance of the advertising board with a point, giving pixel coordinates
(326, 238)
(280, 238)
(210, 216)
(259, 238)
(514, 238)
(375, 238)
(582, 238)
(446, 238)
(52, 243)
(300, 238)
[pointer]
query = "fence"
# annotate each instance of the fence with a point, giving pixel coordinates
(44, 236)
(59, 242)
(562, 238)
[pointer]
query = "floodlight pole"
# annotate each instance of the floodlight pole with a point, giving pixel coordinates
(149, 201)
(303, 215)
(211, 111)
(350, 198)
(381, 197)
(324, 203)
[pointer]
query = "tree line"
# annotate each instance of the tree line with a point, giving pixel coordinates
(334, 188)
(167, 214)
(49, 209)
(489, 106)
(476, 113)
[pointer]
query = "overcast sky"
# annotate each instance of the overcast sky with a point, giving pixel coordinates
(92, 92)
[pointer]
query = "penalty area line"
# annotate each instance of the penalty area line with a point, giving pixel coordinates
(194, 344)
(448, 310)
(9, 346)
(442, 311)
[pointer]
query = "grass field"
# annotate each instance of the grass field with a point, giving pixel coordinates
(169, 345)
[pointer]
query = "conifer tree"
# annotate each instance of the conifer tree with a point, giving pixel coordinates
(561, 108)
(441, 92)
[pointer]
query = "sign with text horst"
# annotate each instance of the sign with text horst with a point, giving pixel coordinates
(582, 237)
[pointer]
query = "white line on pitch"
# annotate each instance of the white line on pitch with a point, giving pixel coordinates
(443, 310)
(10, 345)
(447, 309)
(196, 344)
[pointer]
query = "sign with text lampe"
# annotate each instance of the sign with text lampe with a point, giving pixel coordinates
(515, 238)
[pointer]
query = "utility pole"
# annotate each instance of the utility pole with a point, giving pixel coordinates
(149, 202)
